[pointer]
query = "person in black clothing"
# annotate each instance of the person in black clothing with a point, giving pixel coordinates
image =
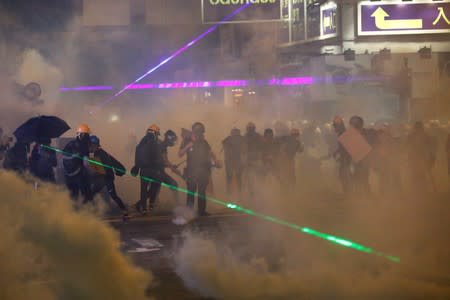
(252, 157)
(16, 157)
(105, 176)
(342, 157)
(200, 159)
(146, 165)
(75, 156)
(289, 147)
(270, 153)
(158, 172)
(43, 161)
(233, 147)
(421, 158)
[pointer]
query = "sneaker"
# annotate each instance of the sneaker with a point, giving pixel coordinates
(151, 207)
(139, 208)
(125, 217)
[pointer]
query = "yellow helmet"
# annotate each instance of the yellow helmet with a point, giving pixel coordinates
(83, 128)
(154, 128)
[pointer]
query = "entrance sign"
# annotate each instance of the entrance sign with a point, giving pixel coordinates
(398, 18)
(213, 11)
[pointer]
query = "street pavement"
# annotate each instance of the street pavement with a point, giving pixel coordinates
(150, 241)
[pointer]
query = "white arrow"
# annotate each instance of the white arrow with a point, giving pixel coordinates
(380, 16)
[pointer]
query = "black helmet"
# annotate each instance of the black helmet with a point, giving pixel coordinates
(357, 122)
(268, 132)
(235, 132)
(198, 128)
(171, 137)
(94, 140)
(251, 127)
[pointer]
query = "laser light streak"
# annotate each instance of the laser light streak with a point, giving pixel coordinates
(288, 81)
(333, 239)
(175, 54)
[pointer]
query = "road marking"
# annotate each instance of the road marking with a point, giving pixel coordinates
(148, 243)
(143, 250)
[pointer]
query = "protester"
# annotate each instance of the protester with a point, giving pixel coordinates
(270, 154)
(146, 165)
(343, 158)
(200, 160)
(158, 165)
(233, 151)
(43, 161)
(252, 156)
(360, 176)
(386, 160)
(75, 158)
(421, 158)
(16, 157)
(104, 173)
(289, 147)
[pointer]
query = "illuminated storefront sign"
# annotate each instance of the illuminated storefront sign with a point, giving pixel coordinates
(314, 20)
(328, 20)
(397, 18)
(214, 11)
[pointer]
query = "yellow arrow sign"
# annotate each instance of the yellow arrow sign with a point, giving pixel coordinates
(380, 16)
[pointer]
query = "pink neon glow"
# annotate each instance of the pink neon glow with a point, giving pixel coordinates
(288, 81)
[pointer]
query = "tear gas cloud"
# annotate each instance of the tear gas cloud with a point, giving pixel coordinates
(259, 261)
(51, 251)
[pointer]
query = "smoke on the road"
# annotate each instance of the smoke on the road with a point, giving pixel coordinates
(260, 260)
(50, 251)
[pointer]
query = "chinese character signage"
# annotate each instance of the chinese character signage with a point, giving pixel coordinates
(214, 11)
(328, 20)
(397, 18)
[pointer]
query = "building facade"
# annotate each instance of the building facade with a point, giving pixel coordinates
(397, 52)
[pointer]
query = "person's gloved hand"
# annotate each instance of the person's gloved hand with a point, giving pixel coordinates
(134, 171)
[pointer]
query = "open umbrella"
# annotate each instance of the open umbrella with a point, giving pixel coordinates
(41, 127)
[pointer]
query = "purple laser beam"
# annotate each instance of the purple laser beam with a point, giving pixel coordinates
(175, 54)
(288, 81)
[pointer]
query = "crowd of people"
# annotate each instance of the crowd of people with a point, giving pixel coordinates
(249, 159)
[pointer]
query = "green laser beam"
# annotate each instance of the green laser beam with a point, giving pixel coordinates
(333, 239)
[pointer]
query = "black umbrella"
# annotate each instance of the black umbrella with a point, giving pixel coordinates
(42, 127)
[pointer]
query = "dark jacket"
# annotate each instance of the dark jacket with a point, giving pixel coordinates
(198, 162)
(42, 162)
(16, 157)
(111, 165)
(147, 153)
(74, 152)
(233, 148)
(252, 147)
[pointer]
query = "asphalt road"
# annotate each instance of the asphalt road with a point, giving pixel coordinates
(150, 241)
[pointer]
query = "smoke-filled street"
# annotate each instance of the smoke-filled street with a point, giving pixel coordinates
(222, 149)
